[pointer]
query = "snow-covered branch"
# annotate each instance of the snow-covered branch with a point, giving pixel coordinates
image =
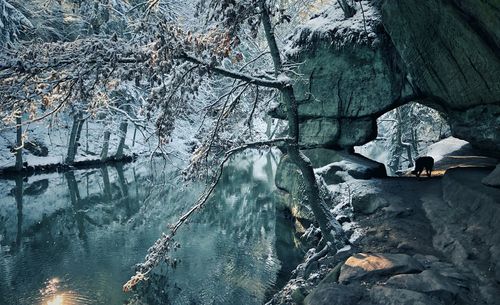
(234, 74)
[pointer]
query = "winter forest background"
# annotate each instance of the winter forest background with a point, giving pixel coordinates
(82, 78)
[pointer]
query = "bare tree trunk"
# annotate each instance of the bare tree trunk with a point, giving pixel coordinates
(331, 229)
(74, 195)
(123, 135)
(401, 143)
(19, 144)
(408, 153)
(108, 195)
(105, 145)
(74, 138)
(18, 194)
(414, 140)
(133, 138)
(348, 9)
(87, 136)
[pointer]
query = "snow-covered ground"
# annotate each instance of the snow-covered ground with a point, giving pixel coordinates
(56, 139)
(332, 22)
(444, 147)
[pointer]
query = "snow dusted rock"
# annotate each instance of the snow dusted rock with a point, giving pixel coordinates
(391, 296)
(332, 175)
(493, 179)
(367, 203)
(322, 156)
(349, 74)
(364, 265)
(328, 162)
(353, 70)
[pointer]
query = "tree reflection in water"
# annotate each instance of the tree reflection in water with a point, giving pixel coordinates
(88, 228)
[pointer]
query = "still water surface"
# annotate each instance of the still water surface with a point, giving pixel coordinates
(73, 238)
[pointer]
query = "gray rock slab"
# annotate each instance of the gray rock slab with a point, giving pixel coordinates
(428, 281)
(394, 296)
(334, 294)
(493, 179)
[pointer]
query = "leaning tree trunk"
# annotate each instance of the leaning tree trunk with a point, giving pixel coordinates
(348, 9)
(74, 138)
(331, 229)
(121, 144)
(19, 144)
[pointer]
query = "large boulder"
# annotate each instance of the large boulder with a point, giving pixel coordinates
(349, 75)
(334, 294)
(328, 162)
(368, 203)
(393, 296)
(429, 282)
(365, 266)
(442, 53)
(451, 49)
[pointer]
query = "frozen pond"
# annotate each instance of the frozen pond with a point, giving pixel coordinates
(73, 238)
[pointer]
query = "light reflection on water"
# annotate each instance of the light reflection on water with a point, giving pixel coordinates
(73, 238)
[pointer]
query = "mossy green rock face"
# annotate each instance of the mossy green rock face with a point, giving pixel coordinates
(288, 178)
(347, 76)
(288, 175)
(342, 91)
(352, 82)
(446, 52)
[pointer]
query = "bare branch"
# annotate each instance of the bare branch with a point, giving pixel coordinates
(235, 75)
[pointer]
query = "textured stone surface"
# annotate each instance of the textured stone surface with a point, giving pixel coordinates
(368, 203)
(493, 179)
(288, 176)
(448, 54)
(467, 227)
(364, 266)
(334, 294)
(449, 49)
(348, 76)
(429, 282)
(391, 296)
(479, 125)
